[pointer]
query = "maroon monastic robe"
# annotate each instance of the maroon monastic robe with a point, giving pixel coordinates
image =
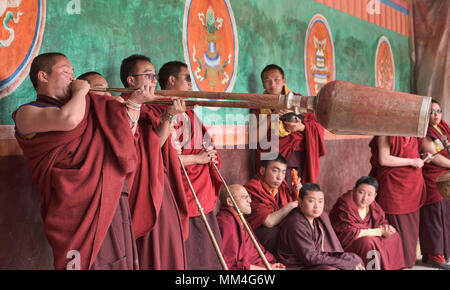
(204, 179)
(157, 200)
(308, 146)
(264, 203)
(80, 175)
(318, 248)
(430, 170)
(347, 224)
(206, 183)
(238, 249)
(401, 191)
(435, 214)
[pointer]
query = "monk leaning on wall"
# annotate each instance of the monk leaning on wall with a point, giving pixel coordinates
(81, 158)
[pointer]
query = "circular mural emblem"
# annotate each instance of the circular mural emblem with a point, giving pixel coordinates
(210, 43)
(384, 65)
(21, 28)
(319, 55)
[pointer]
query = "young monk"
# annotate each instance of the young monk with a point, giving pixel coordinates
(158, 204)
(272, 200)
(239, 251)
(362, 228)
(301, 140)
(307, 239)
(82, 156)
(197, 160)
(397, 166)
(434, 231)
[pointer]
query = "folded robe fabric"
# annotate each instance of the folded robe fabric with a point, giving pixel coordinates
(430, 170)
(238, 249)
(80, 175)
(203, 177)
(401, 189)
(263, 202)
(348, 224)
(147, 190)
(309, 142)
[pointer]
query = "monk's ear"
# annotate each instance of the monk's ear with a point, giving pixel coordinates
(171, 81)
(42, 76)
(262, 170)
(229, 202)
(131, 81)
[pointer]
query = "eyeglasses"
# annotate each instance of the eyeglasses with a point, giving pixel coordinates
(187, 77)
(435, 111)
(149, 76)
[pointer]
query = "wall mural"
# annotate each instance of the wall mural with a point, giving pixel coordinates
(384, 65)
(319, 55)
(21, 29)
(210, 43)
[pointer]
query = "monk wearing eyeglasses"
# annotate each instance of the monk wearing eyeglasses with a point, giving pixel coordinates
(157, 201)
(435, 214)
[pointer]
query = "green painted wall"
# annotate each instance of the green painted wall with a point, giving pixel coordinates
(107, 31)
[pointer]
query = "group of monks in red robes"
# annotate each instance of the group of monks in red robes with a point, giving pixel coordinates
(114, 196)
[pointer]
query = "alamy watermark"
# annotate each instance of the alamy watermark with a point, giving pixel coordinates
(259, 135)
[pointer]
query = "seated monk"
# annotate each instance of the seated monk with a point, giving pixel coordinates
(362, 228)
(307, 239)
(272, 200)
(238, 249)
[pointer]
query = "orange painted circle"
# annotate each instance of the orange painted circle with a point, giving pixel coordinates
(21, 29)
(319, 55)
(384, 65)
(210, 44)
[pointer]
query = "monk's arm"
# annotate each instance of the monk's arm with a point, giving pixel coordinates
(165, 126)
(203, 157)
(439, 160)
(386, 159)
(369, 233)
(31, 119)
(276, 217)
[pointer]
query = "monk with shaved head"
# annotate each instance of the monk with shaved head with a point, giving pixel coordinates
(238, 250)
(82, 155)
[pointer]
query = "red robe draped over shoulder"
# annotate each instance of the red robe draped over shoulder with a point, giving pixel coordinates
(203, 177)
(348, 224)
(146, 193)
(430, 170)
(309, 143)
(80, 175)
(263, 203)
(401, 189)
(238, 249)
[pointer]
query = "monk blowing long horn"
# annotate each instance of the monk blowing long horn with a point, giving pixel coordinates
(208, 228)
(244, 222)
(341, 107)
